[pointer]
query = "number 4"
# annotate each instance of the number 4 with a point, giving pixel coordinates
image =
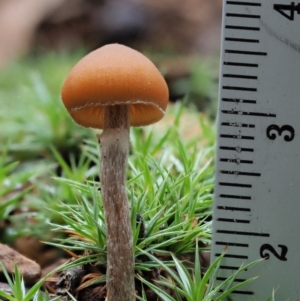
(288, 10)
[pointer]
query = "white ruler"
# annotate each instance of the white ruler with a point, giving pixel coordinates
(257, 193)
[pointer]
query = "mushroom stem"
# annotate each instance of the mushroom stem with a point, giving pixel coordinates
(114, 143)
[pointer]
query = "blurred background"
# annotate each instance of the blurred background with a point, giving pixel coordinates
(185, 27)
(176, 33)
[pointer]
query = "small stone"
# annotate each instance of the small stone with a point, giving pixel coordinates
(4, 287)
(29, 269)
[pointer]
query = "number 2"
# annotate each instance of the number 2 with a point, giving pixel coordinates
(267, 247)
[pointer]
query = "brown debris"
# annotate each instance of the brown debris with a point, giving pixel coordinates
(29, 269)
(97, 293)
(69, 280)
(33, 248)
(78, 281)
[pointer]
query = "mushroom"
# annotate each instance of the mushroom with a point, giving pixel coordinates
(113, 88)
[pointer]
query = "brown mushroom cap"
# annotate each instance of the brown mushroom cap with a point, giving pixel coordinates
(115, 74)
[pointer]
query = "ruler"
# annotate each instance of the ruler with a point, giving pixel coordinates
(257, 192)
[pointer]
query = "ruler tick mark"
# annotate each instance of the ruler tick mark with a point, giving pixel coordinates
(244, 233)
(237, 161)
(237, 149)
(235, 279)
(239, 88)
(237, 137)
(234, 208)
(242, 40)
(237, 64)
(233, 196)
(237, 100)
(243, 16)
(240, 173)
(258, 114)
(243, 292)
(242, 27)
(231, 220)
(233, 256)
(231, 244)
(239, 76)
(239, 292)
(227, 267)
(246, 52)
(243, 3)
(235, 184)
(236, 124)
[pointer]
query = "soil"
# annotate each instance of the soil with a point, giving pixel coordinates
(71, 280)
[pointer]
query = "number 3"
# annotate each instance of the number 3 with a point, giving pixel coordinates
(279, 130)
